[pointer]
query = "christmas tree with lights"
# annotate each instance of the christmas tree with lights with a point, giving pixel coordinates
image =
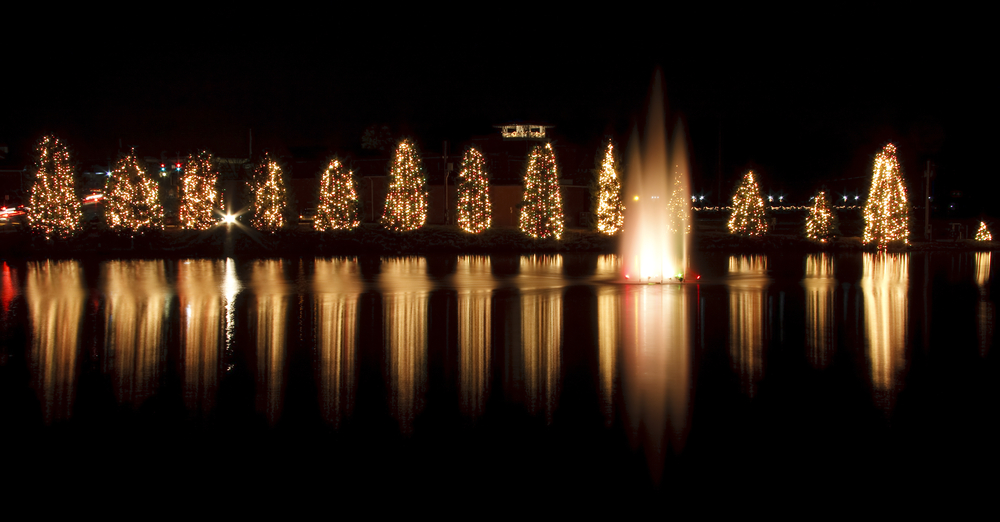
(406, 202)
(338, 199)
(474, 211)
(747, 218)
(887, 213)
(983, 234)
(200, 200)
(541, 213)
(820, 221)
(268, 195)
(55, 207)
(132, 196)
(610, 212)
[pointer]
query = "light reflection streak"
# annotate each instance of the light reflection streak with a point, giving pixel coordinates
(541, 345)
(985, 310)
(8, 288)
(657, 368)
(609, 332)
(747, 319)
(405, 293)
(820, 286)
(135, 312)
(55, 295)
(337, 285)
(884, 284)
(273, 296)
(474, 330)
(199, 293)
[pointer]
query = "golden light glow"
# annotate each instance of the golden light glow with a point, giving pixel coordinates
(747, 218)
(199, 294)
(884, 285)
(55, 207)
(886, 211)
(819, 222)
(269, 196)
(610, 212)
(406, 202)
(474, 331)
(474, 211)
(272, 297)
(336, 288)
(820, 288)
(404, 315)
(132, 196)
(542, 213)
(200, 199)
(541, 342)
(338, 199)
(747, 317)
(983, 234)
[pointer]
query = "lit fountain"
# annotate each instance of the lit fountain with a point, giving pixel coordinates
(658, 202)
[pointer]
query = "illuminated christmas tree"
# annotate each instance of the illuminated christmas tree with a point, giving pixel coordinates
(132, 196)
(886, 211)
(200, 200)
(406, 203)
(268, 195)
(474, 211)
(983, 234)
(747, 218)
(820, 221)
(55, 207)
(610, 216)
(542, 214)
(338, 199)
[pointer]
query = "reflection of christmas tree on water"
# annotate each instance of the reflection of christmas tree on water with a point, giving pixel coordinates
(55, 208)
(473, 193)
(542, 215)
(747, 218)
(886, 211)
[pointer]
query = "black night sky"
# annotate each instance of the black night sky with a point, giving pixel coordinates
(805, 105)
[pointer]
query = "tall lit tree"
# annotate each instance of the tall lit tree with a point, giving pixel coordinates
(887, 213)
(55, 207)
(200, 200)
(820, 221)
(268, 195)
(542, 212)
(406, 203)
(747, 218)
(474, 211)
(983, 234)
(132, 197)
(338, 199)
(610, 216)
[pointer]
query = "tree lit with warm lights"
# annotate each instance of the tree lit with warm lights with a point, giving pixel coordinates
(268, 195)
(747, 218)
(610, 212)
(132, 197)
(820, 221)
(200, 200)
(406, 202)
(338, 199)
(983, 234)
(474, 212)
(886, 211)
(55, 207)
(542, 211)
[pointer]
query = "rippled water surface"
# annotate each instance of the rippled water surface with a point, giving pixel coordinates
(501, 376)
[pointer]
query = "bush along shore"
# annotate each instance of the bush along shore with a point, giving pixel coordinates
(239, 241)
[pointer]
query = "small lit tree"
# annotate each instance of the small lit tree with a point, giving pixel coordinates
(747, 218)
(268, 195)
(886, 211)
(406, 202)
(474, 212)
(983, 234)
(610, 212)
(542, 212)
(132, 197)
(55, 207)
(820, 223)
(200, 200)
(338, 198)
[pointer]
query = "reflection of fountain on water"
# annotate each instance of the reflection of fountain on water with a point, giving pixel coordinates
(658, 207)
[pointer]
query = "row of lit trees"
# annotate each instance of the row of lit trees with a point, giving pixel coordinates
(132, 196)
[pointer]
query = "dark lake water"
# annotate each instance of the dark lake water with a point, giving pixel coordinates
(820, 377)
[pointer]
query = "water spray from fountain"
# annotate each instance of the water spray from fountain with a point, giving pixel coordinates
(657, 201)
